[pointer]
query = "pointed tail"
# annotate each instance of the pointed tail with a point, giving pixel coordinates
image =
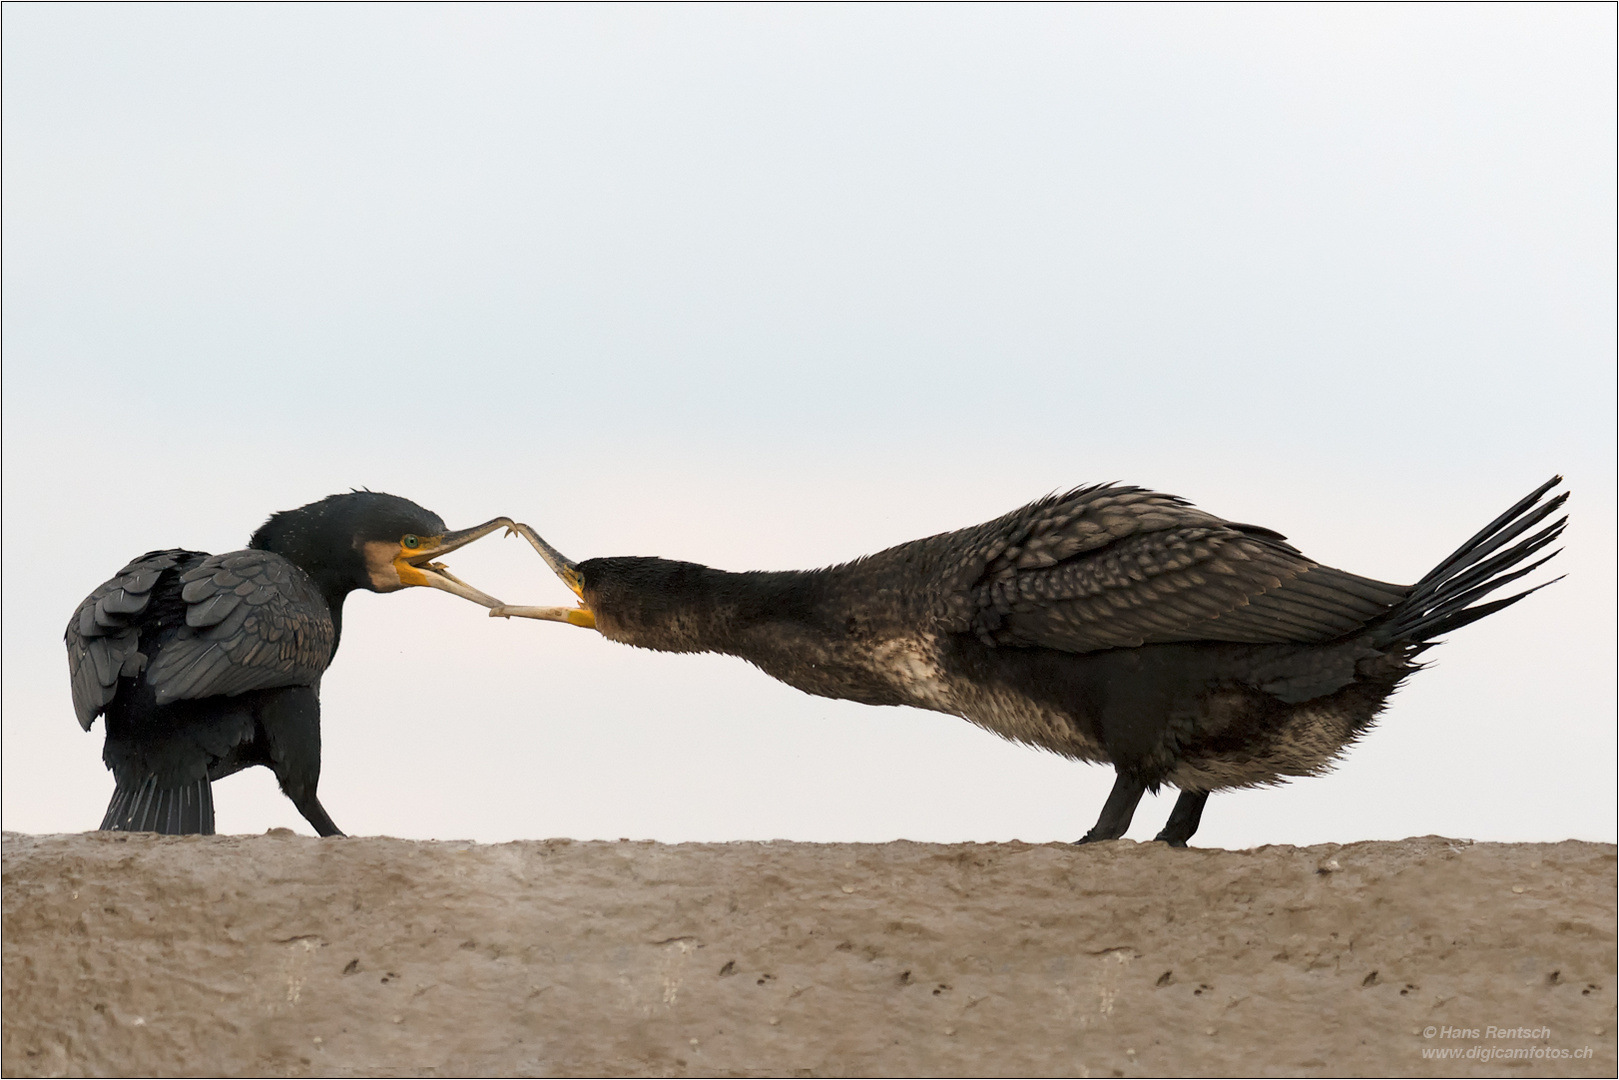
(1444, 600)
(188, 808)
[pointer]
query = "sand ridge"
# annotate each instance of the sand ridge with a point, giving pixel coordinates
(288, 955)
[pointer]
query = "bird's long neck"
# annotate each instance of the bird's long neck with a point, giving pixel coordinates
(685, 607)
(793, 624)
(334, 604)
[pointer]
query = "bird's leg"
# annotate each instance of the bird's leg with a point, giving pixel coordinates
(290, 722)
(1184, 818)
(1117, 811)
(299, 786)
(314, 813)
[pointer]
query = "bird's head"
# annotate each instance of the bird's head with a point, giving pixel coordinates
(372, 540)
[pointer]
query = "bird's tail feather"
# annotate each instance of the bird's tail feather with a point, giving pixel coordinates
(1439, 603)
(188, 808)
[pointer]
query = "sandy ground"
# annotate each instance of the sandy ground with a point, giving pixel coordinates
(283, 955)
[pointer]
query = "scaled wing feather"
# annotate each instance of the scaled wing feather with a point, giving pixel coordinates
(103, 637)
(253, 621)
(1119, 567)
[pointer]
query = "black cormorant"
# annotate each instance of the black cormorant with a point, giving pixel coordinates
(207, 664)
(1108, 624)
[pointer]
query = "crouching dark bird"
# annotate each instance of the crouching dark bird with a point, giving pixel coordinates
(206, 664)
(1109, 624)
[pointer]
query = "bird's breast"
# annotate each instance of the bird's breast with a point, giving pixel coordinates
(911, 667)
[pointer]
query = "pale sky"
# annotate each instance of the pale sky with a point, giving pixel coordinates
(774, 287)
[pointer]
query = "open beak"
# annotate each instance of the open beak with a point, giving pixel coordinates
(563, 568)
(419, 568)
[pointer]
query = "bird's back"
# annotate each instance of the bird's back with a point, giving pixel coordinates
(1107, 567)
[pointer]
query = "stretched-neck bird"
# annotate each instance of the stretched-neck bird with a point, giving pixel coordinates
(1108, 624)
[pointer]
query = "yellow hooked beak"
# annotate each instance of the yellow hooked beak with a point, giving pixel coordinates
(416, 566)
(564, 569)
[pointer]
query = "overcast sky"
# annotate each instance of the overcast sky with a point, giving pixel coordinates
(774, 287)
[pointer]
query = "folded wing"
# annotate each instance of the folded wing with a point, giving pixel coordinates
(1118, 567)
(253, 621)
(103, 637)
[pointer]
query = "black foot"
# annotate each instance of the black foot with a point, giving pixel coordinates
(1117, 811)
(316, 815)
(1184, 819)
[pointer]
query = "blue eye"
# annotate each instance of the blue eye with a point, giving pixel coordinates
(411, 541)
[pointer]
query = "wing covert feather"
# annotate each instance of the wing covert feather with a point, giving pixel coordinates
(253, 621)
(1119, 567)
(103, 636)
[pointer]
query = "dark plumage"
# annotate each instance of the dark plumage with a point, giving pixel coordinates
(1108, 624)
(206, 664)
